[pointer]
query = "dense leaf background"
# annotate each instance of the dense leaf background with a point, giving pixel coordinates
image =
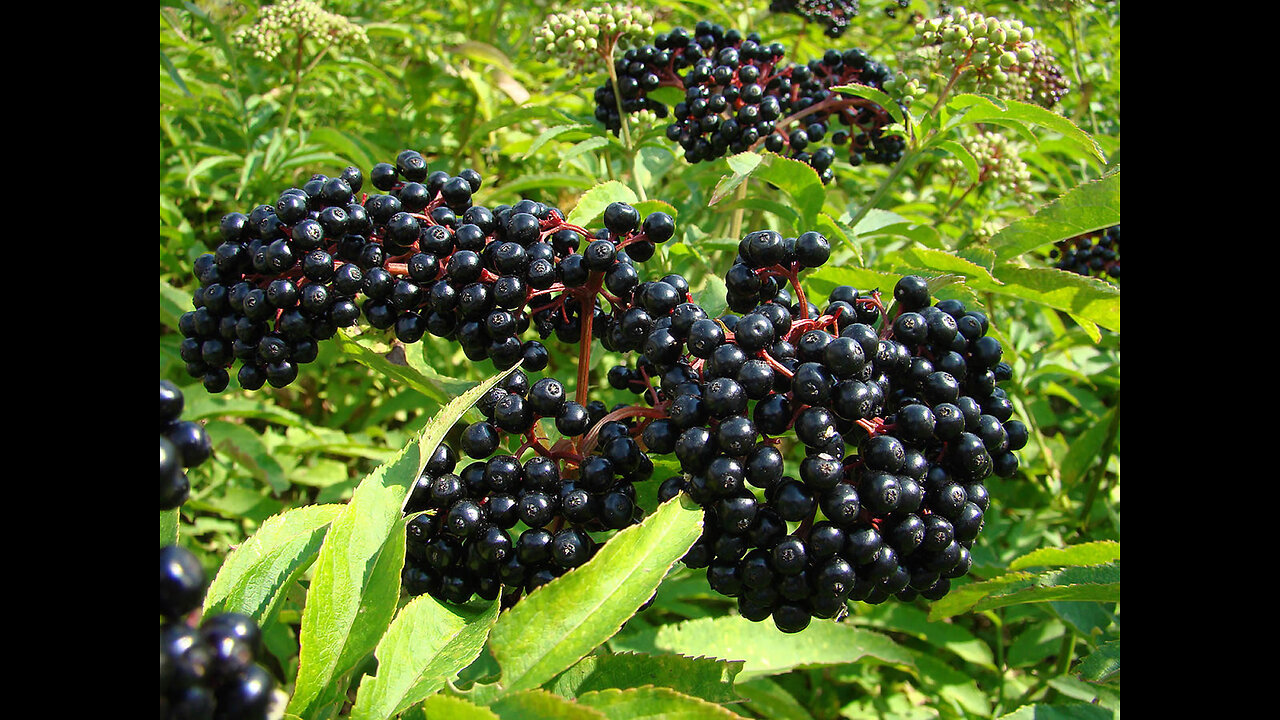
(297, 516)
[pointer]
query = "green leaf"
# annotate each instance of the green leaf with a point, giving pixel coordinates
(1071, 711)
(983, 109)
(1077, 295)
(549, 134)
(961, 153)
(1098, 583)
(653, 702)
(173, 303)
(593, 202)
(766, 698)
(586, 146)
(1086, 449)
(706, 678)
(542, 705)
(797, 179)
(1091, 553)
(879, 97)
(1101, 665)
(1090, 206)
(949, 263)
(578, 611)
(519, 118)
(257, 573)
(346, 609)
(394, 363)
(953, 638)
(427, 644)
(448, 706)
(168, 527)
(247, 447)
(766, 650)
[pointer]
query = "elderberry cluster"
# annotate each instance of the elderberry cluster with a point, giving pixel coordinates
(209, 670)
(739, 95)
(900, 419)
(1095, 253)
(503, 524)
(833, 15)
(183, 445)
(416, 256)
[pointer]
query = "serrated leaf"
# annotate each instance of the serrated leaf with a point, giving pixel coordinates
(947, 262)
(1098, 583)
(448, 707)
(708, 678)
(1091, 553)
(542, 705)
(345, 612)
(593, 202)
(1092, 205)
(797, 179)
(653, 702)
(428, 643)
(765, 650)
(1102, 664)
(255, 575)
(1081, 296)
(985, 109)
(393, 363)
(879, 97)
(581, 609)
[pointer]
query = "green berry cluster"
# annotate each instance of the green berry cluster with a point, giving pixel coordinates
(999, 164)
(582, 33)
(301, 19)
(987, 55)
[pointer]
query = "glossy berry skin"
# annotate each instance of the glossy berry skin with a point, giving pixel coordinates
(182, 581)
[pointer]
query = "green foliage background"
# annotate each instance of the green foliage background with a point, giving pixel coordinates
(304, 480)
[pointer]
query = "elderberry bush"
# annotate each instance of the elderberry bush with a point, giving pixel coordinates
(740, 95)
(415, 256)
(1095, 253)
(208, 670)
(183, 445)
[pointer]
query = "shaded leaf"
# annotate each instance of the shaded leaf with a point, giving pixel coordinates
(653, 702)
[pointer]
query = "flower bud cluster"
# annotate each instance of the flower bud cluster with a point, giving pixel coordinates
(581, 32)
(998, 161)
(987, 55)
(283, 21)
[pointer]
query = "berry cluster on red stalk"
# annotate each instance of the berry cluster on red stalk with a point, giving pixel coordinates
(739, 95)
(896, 420)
